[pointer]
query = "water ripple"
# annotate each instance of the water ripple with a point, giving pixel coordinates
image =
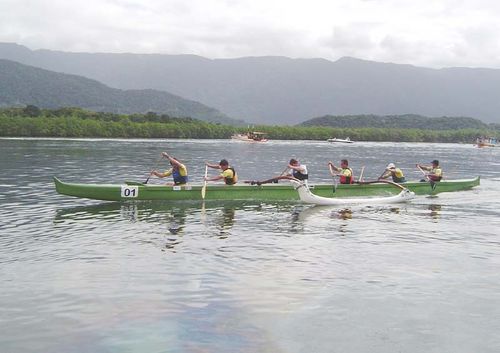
(81, 275)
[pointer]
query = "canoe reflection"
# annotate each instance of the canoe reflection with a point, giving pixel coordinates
(212, 219)
(345, 213)
(435, 211)
(168, 225)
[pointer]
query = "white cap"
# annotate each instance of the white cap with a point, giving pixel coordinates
(390, 166)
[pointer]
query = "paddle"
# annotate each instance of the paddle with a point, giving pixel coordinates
(156, 166)
(204, 188)
(361, 174)
(433, 184)
(281, 174)
(272, 180)
(203, 192)
(335, 181)
(383, 173)
(382, 181)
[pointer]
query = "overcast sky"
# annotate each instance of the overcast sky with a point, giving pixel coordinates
(433, 33)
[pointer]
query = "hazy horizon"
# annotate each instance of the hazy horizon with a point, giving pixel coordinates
(436, 35)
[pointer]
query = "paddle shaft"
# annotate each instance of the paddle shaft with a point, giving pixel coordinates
(156, 166)
(361, 174)
(272, 180)
(382, 181)
(383, 173)
(425, 174)
(432, 182)
(204, 188)
(334, 177)
(284, 171)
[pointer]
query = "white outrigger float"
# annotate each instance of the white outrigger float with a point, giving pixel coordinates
(307, 196)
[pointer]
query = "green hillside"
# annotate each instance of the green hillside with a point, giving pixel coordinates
(408, 121)
(22, 85)
(284, 91)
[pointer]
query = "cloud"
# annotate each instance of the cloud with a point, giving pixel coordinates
(434, 33)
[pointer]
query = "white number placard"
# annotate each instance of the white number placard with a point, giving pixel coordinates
(129, 191)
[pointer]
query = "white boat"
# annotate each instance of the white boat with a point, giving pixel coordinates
(346, 140)
(253, 136)
(487, 142)
(307, 196)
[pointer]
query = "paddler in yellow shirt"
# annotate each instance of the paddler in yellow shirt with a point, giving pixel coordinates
(178, 171)
(228, 173)
(396, 174)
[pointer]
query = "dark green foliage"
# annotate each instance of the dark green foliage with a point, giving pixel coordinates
(32, 110)
(407, 121)
(25, 85)
(77, 122)
(376, 134)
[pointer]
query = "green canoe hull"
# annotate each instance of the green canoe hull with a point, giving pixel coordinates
(282, 192)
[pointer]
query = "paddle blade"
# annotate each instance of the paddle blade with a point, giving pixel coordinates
(203, 191)
(204, 188)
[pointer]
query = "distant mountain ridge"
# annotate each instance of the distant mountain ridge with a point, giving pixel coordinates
(280, 90)
(408, 121)
(26, 85)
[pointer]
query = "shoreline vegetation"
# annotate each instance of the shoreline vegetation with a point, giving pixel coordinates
(32, 121)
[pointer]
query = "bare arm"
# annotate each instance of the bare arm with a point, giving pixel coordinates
(160, 174)
(387, 173)
(215, 178)
(423, 167)
(333, 168)
(295, 167)
(172, 160)
(210, 165)
(157, 174)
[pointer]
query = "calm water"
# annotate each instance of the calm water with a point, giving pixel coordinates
(88, 276)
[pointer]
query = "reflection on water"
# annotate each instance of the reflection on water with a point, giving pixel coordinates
(218, 217)
(225, 221)
(435, 211)
(346, 213)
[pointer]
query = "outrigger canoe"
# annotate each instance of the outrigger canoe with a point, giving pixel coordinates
(266, 192)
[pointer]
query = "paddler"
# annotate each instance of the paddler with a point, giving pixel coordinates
(435, 171)
(345, 174)
(228, 173)
(396, 174)
(297, 171)
(178, 171)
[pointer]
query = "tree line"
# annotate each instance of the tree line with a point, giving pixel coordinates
(405, 121)
(31, 121)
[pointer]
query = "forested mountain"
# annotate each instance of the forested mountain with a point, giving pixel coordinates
(408, 121)
(280, 90)
(25, 85)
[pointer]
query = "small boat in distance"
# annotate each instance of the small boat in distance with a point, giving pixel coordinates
(346, 140)
(251, 136)
(487, 142)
